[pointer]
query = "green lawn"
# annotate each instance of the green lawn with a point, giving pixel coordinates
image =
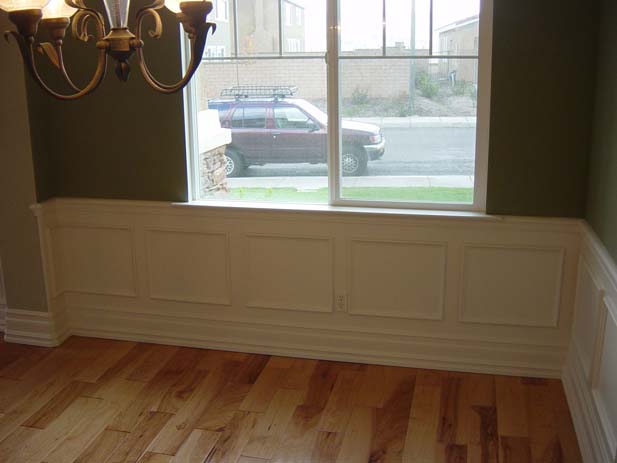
(421, 194)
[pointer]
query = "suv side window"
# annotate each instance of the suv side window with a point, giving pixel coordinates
(290, 117)
(249, 117)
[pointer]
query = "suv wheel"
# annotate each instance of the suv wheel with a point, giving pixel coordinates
(353, 161)
(235, 164)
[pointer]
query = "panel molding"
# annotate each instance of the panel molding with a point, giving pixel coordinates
(556, 306)
(58, 290)
(271, 305)
(224, 301)
(350, 276)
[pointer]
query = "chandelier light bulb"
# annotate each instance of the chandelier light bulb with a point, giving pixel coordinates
(58, 9)
(20, 5)
(174, 5)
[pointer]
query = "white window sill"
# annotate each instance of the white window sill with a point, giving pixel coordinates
(327, 209)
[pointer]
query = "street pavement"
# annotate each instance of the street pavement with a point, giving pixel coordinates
(414, 155)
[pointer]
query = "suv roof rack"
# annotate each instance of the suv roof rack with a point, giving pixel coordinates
(259, 91)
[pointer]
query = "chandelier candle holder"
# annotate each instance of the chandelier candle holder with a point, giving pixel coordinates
(52, 18)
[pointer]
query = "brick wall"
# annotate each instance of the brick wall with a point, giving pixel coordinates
(308, 75)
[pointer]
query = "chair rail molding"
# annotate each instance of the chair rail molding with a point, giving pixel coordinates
(317, 283)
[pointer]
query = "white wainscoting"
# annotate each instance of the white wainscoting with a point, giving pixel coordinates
(460, 292)
(590, 376)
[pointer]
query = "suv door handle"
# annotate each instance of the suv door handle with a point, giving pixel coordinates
(275, 134)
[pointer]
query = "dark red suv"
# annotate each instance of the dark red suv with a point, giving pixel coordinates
(269, 125)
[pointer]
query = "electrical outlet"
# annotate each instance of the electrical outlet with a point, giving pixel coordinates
(341, 302)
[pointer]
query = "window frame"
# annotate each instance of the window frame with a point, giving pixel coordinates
(334, 102)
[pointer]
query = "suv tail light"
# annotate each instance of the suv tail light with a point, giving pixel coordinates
(375, 138)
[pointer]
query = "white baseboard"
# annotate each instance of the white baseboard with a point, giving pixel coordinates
(407, 351)
(34, 328)
(589, 428)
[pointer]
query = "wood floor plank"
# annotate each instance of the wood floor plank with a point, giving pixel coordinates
(251, 369)
(511, 407)
(180, 392)
(26, 360)
(234, 438)
(284, 363)
(270, 427)
(223, 407)
(340, 403)
(321, 383)
(300, 436)
(563, 421)
(543, 439)
(81, 437)
(356, 444)
(165, 392)
(42, 443)
(259, 397)
(484, 442)
(10, 391)
(135, 444)
(423, 419)
(127, 363)
(244, 459)
(514, 449)
(186, 419)
(392, 420)
(372, 390)
(150, 457)
(300, 373)
(152, 363)
(108, 354)
(102, 447)
(327, 447)
(198, 447)
(56, 405)
(449, 408)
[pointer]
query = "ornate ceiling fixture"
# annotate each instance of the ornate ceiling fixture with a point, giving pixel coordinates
(54, 17)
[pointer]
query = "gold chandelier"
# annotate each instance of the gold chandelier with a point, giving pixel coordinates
(53, 17)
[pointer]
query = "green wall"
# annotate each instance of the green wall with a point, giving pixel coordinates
(541, 106)
(125, 141)
(602, 197)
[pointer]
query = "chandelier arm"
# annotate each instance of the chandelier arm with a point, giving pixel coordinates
(26, 46)
(63, 70)
(198, 34)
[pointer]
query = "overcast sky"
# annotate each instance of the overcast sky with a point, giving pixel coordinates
(361, 21)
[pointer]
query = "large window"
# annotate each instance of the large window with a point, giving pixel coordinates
(379, 103)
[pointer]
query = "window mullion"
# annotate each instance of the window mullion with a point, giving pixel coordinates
(334, 120)
(430, 28)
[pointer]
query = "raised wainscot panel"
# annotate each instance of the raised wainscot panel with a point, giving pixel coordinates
(189, 266)
(587, 305)
(94, 260)
(397, 279)
(289, 272)
(605, 381)
(511, 285)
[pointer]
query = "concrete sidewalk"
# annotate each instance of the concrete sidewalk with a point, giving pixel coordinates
(417, 122)
(315, 183)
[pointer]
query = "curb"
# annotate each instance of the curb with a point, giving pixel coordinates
(418, 122)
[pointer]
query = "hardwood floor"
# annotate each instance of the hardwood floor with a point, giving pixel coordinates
(102, 401)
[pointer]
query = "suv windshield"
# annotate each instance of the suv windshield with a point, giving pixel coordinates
(314, 111)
